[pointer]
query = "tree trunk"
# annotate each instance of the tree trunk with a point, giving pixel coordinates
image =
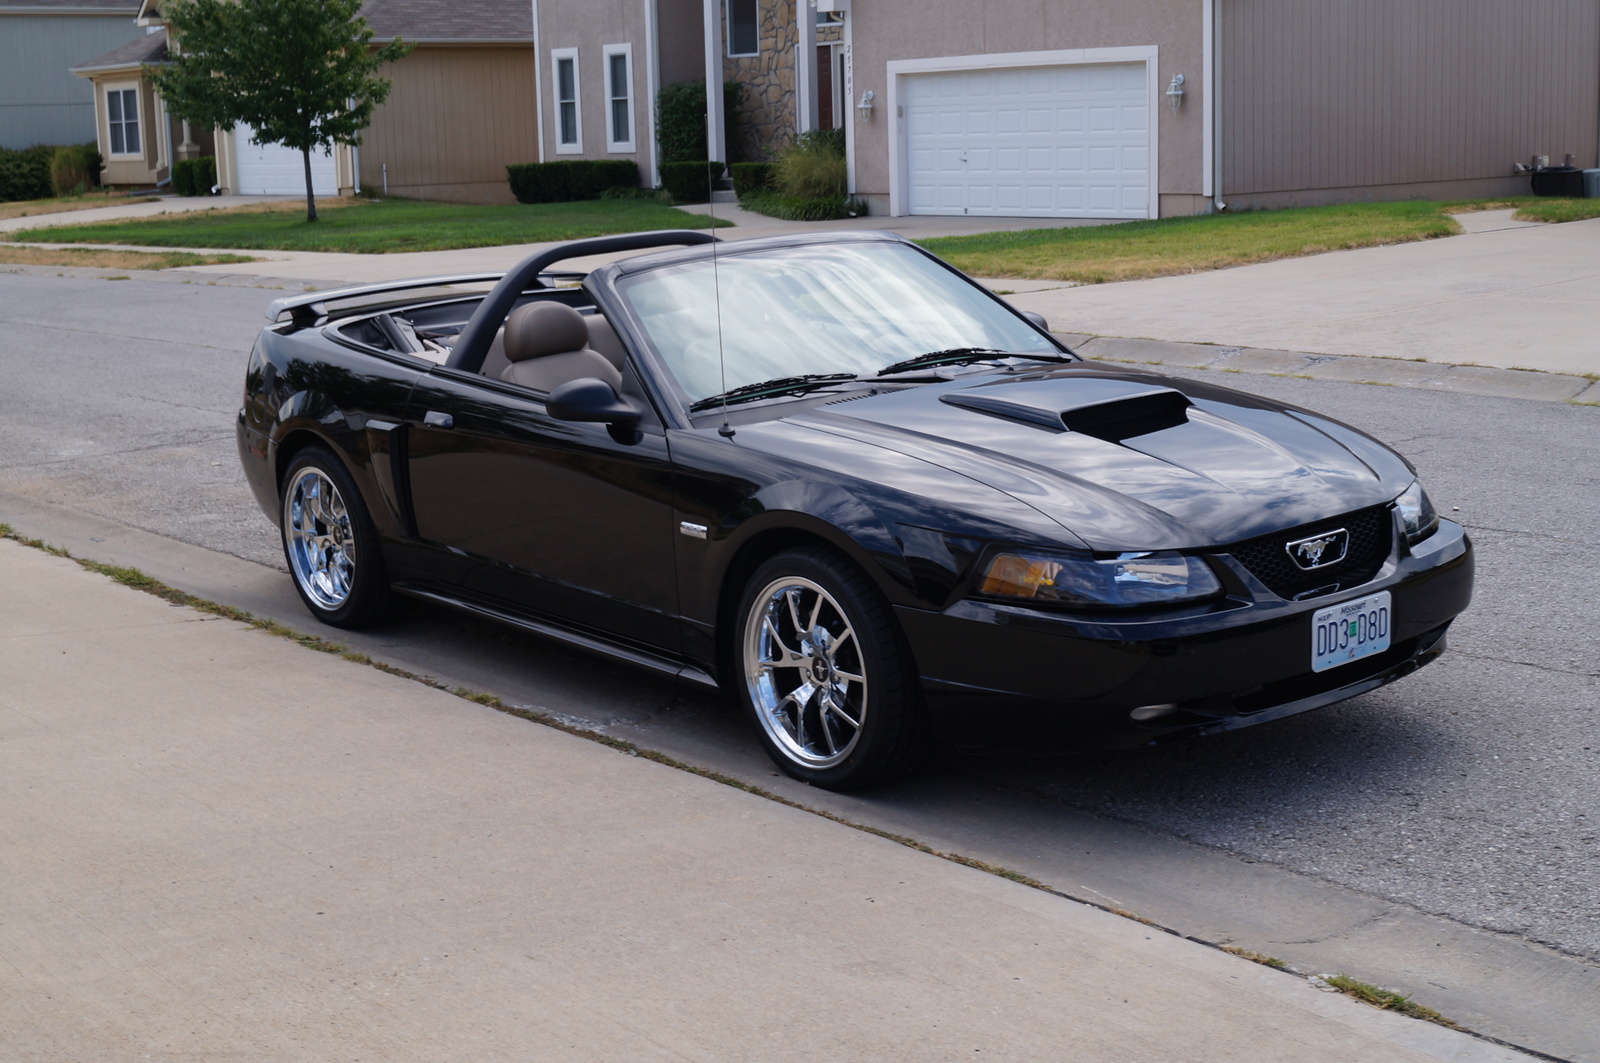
(311, 199)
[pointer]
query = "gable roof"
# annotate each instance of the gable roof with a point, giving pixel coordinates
(460, 20)
(151, 48)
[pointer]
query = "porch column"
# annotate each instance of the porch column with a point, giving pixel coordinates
(716, 132)
(805, 66)
(188, 149)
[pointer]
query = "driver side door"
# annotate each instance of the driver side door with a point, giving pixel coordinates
(571, 521)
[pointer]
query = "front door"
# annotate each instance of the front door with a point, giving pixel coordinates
(567, 520)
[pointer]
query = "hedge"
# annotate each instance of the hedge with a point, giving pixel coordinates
(690, 182)
(74, 169)
(751, 177)
(194, 177)
(791, 208)
(681, 120)
(25, 174)
(570, 179)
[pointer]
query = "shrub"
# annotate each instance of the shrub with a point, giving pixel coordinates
(751, 177)
(74, 169)
(652, 195)
(194, 177)
(790, 208)
(681, 120)
(813, 167)
(690, 182)
(570, 179)
(25, 174)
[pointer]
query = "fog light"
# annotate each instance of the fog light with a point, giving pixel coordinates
(1146, 713)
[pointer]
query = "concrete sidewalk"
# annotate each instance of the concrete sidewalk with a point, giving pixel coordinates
(121, 211)
(286, 856)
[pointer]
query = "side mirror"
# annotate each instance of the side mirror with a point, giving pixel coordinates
(1038, 320)
(592, 399)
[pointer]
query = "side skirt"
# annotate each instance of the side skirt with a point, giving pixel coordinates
(594, 644)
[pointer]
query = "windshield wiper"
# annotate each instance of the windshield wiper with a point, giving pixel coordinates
(962, 356)
(784, 385)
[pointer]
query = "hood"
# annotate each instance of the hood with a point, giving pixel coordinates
(1129, 460)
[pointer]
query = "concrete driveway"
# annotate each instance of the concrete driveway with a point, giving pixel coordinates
(1519, 296)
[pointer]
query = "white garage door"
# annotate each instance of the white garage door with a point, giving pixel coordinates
(274, 170)
(1045, 142)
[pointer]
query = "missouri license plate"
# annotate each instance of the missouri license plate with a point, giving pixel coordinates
(1349, 631)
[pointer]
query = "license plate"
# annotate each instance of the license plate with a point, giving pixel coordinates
(1349, 631)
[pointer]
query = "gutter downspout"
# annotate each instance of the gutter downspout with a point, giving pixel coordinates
(652, 56)
(1213, 117)
(538, 82)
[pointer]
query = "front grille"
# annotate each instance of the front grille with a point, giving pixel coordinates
(1371, 537)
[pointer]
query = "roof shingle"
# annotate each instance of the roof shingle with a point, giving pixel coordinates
(151, 48)
(459, 20)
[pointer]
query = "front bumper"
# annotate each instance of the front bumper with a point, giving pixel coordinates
(1010, 677)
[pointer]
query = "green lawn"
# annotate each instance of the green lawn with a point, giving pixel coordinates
(1139, 249)
(379, 228)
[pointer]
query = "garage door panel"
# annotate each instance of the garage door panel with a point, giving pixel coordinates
(274, 170)
(1079, 133)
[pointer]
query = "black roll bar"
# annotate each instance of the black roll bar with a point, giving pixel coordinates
(472, 346)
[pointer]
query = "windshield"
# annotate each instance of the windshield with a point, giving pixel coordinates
(793, 311)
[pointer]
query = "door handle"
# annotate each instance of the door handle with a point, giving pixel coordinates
(435, 419)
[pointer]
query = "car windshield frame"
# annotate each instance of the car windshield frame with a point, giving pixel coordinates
(871, 302)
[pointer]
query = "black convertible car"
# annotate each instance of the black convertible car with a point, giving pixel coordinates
(834, 477)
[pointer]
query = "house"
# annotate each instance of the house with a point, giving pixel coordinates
(463, 105)
(40, 101)
(1101, 108)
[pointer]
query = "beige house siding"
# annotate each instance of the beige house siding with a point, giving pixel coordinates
(453, 121)
(151, 165)
(588, 26)
(1379, 99)
(882, 32)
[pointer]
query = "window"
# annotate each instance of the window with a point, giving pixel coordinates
(744, 27)
(122, 121)
(619, 97)
(569, 116)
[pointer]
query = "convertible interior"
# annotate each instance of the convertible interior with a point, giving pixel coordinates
(545, 341)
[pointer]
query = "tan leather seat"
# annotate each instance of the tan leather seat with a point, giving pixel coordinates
(604, 339)
(547, 345)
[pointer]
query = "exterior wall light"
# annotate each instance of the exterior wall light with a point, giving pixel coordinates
(1175, 93)
(864, 108)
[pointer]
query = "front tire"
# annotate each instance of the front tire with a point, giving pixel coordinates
(330, 543)
(823, 672)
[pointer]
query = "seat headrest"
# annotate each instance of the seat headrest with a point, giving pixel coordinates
(538, 329)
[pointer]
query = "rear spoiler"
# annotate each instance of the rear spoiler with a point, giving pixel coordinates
(306, 310)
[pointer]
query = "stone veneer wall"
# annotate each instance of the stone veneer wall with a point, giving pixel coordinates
(766, 118)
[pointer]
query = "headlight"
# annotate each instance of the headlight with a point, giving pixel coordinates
(1130, 579)
(1417, 517)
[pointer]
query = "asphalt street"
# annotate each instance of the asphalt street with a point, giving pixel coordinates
(1468, 790)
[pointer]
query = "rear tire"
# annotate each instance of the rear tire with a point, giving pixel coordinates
(823, 671)
(331, 544)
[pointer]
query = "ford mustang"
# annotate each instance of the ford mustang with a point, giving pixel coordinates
(835, 478)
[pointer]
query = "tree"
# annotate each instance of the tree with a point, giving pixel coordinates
(301, 73)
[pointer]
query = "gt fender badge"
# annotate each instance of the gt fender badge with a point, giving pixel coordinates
(693, 531)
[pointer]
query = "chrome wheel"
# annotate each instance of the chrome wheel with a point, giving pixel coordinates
(804, 671)
(319, 539)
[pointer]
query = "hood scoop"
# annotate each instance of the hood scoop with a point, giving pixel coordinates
(1108, 409)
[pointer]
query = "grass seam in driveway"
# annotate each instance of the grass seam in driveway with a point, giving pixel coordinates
(1380, 998)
